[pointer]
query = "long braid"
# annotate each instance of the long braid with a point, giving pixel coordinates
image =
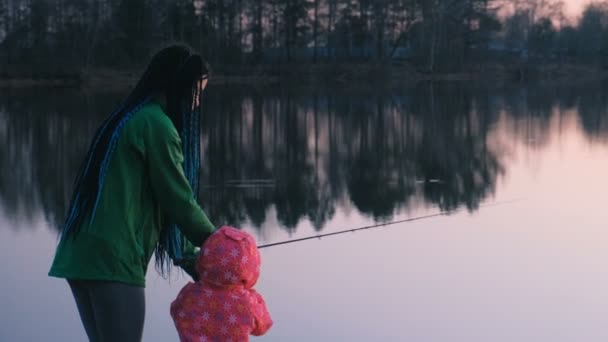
(172, 241)
(75, 203)
(89, 182)
(110, 151)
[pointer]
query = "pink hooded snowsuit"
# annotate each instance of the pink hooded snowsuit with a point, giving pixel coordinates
(223, 306)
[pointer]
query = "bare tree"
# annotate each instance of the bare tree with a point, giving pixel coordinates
(315, 33)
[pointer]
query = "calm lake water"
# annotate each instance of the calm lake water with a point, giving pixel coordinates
(522, 172)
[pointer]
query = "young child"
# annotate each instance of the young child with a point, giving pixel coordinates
(222, 305)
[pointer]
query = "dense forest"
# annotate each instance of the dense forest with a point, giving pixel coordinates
(432, 35)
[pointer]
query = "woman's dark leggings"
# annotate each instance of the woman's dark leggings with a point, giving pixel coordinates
(110, 311)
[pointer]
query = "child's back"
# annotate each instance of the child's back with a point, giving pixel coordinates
(222, 305)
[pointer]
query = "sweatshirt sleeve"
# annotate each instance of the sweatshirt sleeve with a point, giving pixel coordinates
(171, 188)
(262, 320)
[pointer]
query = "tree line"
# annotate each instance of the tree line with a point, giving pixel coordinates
(433, 35)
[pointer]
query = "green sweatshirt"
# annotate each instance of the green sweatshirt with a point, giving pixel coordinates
(144, 184)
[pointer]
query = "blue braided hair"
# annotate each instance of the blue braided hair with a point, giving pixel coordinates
(172, 243)
(173, 72)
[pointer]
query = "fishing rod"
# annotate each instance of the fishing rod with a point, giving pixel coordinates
(410, 219)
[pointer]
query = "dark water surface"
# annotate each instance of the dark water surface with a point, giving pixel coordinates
(285, 164)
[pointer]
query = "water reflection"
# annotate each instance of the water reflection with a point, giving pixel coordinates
(44, 135)
(304, 153)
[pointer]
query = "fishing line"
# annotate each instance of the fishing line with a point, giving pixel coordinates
(410, 219)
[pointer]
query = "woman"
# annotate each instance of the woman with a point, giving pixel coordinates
(135, 194)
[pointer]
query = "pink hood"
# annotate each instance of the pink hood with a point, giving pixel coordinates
(229, 257)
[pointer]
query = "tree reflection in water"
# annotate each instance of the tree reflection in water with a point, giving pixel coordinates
(303, 153)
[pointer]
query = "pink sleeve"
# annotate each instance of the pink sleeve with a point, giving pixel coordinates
(263, 321)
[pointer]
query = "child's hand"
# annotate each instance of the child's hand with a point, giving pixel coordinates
(263, 321)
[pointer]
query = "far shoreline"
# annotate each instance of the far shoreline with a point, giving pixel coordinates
(342, 75)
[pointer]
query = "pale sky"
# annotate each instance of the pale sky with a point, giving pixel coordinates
(575, 7)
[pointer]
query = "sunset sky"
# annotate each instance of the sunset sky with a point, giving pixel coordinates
(575, 7)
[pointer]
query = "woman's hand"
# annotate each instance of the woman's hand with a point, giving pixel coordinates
(188, 265)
